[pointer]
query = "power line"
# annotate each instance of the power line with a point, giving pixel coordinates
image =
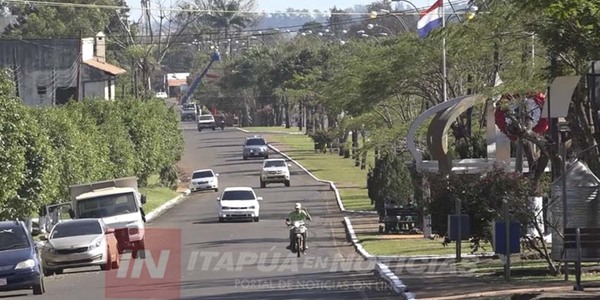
(197, 10)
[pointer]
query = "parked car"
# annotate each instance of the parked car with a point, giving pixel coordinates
(204, 180)
(239, 203)
(20, 267)
(255, 146)
(206, 122)
(274, 170)
(80, 243)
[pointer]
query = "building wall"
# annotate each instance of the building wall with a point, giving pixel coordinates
(45, 70)
(97, 89)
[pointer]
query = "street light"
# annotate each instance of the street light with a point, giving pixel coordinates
(402, 22)
(371, 26)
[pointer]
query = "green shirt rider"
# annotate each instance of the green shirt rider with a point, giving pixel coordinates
(298, 214)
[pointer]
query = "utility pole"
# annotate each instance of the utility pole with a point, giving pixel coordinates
(16, 72)
(53, 86)
(79, 59)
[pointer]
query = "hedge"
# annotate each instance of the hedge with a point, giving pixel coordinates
(46, 149)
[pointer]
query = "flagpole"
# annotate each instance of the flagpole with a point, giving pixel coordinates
(445, 83)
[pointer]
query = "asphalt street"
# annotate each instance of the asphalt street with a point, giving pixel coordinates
(204, 259)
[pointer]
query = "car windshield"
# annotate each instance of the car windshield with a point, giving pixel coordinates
(13, 238)
(107, 206)
(274, 163)
(255, 142)
(204, 118)
(68, 229)
(189, 107)
(238, 195)
(202, 174)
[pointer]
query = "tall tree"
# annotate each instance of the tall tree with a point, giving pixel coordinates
(45, 20)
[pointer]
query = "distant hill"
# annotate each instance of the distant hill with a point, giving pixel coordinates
(296, 18)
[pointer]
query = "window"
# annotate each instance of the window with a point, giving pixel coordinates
(107, 206)
(204, 118)
(238, 195)
(274, 163)
(255, 142)
(68, 229)
(41, 90)
(13, 238)
(203, 174)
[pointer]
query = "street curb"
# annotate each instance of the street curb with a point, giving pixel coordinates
(166, 206)
(381, 269)
(352, 237)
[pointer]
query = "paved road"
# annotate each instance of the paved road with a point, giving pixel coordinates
(238, 259)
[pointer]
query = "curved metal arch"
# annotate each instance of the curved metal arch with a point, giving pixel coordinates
(440, 128)
(412, 131)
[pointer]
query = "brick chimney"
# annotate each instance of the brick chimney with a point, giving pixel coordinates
(100, 47)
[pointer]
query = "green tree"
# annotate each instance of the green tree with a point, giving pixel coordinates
(36, 21)
(390, 179)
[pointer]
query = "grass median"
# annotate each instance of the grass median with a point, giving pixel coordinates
(273, 129)
(350, 180)
(156, 194)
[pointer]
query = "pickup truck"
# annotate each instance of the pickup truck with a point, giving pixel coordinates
(189, 111)
(118, 203)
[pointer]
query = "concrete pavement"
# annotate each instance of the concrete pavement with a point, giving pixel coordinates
(240, 259)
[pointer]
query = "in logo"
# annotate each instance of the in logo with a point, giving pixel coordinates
(154, 277)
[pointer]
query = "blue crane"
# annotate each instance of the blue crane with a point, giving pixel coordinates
(214, 57)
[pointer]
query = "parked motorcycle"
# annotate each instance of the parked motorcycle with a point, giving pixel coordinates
(299, 229)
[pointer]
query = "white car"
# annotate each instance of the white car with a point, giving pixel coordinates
(206, 122)
(161, 95)
(238, 203)
(275, 170)
(205, 179)
(79, 243)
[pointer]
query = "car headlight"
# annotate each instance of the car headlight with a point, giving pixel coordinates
(96, 245)
(26, 264)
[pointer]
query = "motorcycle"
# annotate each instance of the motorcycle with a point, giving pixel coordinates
(299, 229)
(222, 125)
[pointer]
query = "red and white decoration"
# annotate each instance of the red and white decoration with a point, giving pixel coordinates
(534, 104)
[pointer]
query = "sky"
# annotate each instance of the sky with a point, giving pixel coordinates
(282, 5)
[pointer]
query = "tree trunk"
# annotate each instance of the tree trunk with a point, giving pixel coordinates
(286, 105)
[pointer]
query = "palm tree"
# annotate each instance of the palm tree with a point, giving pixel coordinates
(227, 15)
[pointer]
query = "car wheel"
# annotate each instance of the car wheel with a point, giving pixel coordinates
(48, 273)
(256, 219)
(263, 184)
(39, 289)
(214, 128)
(266, 156)
(199, 129)
(58, 271)
(245, 157)
(287, 183)
(217, 189)
(221, 220)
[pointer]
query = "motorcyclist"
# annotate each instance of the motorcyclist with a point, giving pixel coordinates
(298, 214)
